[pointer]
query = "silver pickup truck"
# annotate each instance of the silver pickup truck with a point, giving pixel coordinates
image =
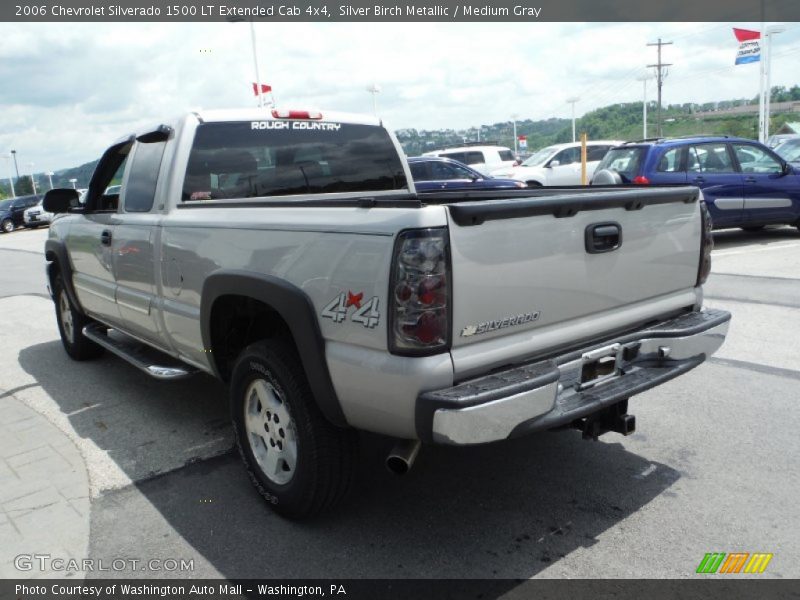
(287, 253)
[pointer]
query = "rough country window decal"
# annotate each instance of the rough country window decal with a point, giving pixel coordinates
(366, 312)
(488, 326)
(295, 125)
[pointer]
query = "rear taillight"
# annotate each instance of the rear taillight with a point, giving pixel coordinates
(419, 293)
(295, 114)
(706, 245)
(641, 180)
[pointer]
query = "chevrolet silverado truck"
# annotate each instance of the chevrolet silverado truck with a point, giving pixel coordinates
(288, 254)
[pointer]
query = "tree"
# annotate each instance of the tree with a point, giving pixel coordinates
(23, 186)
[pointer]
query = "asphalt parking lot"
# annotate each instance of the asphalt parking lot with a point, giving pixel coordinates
(147, 471)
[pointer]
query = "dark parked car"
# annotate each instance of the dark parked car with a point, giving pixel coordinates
(432, 174)
(12, 212)
(745, 183)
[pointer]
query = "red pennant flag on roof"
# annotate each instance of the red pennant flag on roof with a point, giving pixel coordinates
(265, 89)
(744, 35)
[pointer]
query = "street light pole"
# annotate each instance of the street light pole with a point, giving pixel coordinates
(514, 117)
(50, 178)
(73, 182)
(10, 178)
(644, 79)
(33, 181)
(572, 101)
(16, 168)
(374, 89)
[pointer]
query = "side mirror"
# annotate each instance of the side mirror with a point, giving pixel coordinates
(553, 163)
(60, 200)
(787, 169)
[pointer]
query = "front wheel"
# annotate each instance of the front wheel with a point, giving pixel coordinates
(752, 228)
(7, 225)
(297, 460)
(70, 325)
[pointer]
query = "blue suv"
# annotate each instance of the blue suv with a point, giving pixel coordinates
(745, 184)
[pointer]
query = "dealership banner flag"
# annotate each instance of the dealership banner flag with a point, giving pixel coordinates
(749, 46)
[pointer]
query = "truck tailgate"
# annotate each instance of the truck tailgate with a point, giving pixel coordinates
(534, 274)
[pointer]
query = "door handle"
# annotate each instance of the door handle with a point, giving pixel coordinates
(749, 179)
(603, 237)
(105, 237)
(698, 180)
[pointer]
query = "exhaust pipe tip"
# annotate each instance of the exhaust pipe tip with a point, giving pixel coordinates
(397, 465)
(402, 457)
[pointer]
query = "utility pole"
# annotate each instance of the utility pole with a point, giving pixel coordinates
(661, 73)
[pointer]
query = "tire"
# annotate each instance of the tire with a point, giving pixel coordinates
(70, 325)
(300, 463)
(7, 226)
(752, 228)
(533, 184)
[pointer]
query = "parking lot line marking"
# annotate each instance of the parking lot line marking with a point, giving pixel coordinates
(751, 250)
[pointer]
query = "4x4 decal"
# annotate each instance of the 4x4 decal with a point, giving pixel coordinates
(366, 313)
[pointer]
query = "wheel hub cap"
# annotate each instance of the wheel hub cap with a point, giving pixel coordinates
(66, 317)
(270, 431)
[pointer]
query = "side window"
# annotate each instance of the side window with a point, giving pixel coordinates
(670, 161)
(140, 188)
(710, 158)
(419, 171)
(753, 159)
(594, 153)
(474, 158)
(461, 173)
(568, 156)
(459, 156)
(506, 155)
(103, 194)
(441, 170)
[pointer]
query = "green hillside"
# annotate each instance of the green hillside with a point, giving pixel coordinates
(617, 122)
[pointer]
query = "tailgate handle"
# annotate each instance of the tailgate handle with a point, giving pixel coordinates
(603, 237)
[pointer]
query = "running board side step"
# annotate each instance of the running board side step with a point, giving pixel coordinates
(143, 357)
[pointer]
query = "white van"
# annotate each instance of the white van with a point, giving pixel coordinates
(481, 158)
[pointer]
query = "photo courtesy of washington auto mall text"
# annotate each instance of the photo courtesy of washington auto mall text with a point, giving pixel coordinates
(399, 299)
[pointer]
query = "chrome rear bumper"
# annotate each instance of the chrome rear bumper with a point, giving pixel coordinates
(559, 390)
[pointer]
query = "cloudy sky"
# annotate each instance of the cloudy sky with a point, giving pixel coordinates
(68, 90)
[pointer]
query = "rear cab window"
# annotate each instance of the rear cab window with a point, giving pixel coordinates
(245, 159)
(624, 160)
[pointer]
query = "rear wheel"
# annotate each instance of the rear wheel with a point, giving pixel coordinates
(297, 460)
(70, 325)
(533, 184)
(7, 225)
(752, 228)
